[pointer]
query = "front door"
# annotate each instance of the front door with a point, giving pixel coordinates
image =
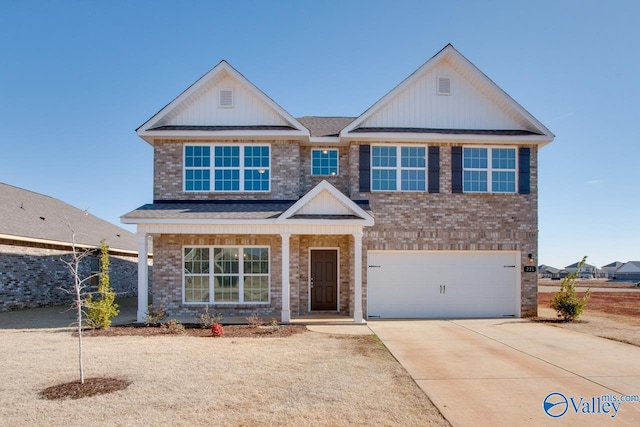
(324, 279)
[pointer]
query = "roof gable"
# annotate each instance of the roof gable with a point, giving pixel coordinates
(221, 103)
(326, 202)
(629, 267)
(474, 106)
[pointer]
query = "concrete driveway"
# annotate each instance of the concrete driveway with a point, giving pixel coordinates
(499, 372)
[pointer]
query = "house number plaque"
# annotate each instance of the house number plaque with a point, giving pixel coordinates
(529, 268)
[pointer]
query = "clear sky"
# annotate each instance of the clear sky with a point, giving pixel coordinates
(78, 77)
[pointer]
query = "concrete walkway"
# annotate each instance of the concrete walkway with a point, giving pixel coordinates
(498, 372)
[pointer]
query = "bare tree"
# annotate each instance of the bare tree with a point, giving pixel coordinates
(79, 286)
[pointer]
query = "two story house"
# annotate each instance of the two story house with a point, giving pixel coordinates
(424, 206)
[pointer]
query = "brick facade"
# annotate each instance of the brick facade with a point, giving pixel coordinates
(35, 276)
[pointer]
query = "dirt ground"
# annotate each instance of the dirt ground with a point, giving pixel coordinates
(612, 315)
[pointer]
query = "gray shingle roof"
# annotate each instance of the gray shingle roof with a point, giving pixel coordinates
(215, 209)
(26, 214)
(325, 126)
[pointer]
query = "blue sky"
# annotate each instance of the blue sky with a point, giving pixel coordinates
(78, 77)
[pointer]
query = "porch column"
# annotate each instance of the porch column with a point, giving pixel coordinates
(286, 304)
(357, 277)
(143, 276)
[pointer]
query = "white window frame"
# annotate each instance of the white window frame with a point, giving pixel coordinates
(241, 276)
(212, 168)
(399, 168)
(490, 169)
(328, 150)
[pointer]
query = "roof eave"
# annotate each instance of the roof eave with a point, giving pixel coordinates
(150, 136)
(540, 140)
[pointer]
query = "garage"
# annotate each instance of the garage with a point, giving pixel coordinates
(443, 284)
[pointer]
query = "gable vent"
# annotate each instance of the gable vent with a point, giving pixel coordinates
(226, 98)
(444, 86)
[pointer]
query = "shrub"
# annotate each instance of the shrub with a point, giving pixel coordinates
(566, 301)
(155, 315)
(274, 325)
(173, 327)
(101, 310)
(207, 319)
(254, 320)
(217, 330)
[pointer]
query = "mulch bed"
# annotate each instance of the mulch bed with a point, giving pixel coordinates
(230, 331)
(91, 387)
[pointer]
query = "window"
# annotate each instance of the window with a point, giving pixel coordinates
(324, 162)
(234, 168)
(239, 275)
(489, 170)
(387, 172)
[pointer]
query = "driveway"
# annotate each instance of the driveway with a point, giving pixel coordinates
(498, 372)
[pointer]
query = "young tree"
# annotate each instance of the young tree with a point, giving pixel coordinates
(73, 264)
(101, 310)
(566, 301)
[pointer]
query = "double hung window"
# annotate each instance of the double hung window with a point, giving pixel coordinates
(398, 168)
(227, 168)
(489, 170)
(226, 275)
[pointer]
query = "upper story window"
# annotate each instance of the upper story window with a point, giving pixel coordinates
(324, 162)
(489, 170)
(227, 168)
(398, 168)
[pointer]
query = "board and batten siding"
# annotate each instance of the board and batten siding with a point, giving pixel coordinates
(469, 106)
(203, 109)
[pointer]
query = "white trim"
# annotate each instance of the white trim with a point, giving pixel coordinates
(447, 52)
(143, 277)
(399, 168)
(222, 67)
(322, 186)
(322, 150)
(411, 137)
(61, 243)
(324, 248)
(212, 274)
(212, 168)
(489, 169)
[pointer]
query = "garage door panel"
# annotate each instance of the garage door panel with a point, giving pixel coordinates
(424, 284)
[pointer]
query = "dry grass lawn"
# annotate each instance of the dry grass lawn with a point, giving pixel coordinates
(306, 379)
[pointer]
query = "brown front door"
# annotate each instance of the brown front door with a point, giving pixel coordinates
(324, 279)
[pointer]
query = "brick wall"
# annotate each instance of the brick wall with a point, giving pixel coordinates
(446, 221)
(340, 181)
(168, 178)
(167, 279)
(35, 276)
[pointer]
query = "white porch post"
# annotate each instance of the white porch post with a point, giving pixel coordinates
(357, 277)
(286, 304)
(143, 276)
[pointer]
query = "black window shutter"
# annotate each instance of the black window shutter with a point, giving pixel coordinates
(456, 169)
(364, 167)
(434, 169)
(524, 173)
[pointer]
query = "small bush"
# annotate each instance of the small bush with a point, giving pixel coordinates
(207, 319)
(566, 302)
(155, 315)
(217, 330)
(173, 327)
(103, 308)
(254, 320)
(274, 325)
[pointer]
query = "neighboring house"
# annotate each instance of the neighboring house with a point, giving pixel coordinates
(587, 271)
(35, 236)
(610, 269)
(628, 271)
(548, 272)
(423, 206)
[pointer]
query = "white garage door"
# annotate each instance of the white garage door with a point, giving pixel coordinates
(442, 284)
